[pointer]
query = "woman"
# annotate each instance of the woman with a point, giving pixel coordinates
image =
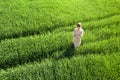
(78, 33)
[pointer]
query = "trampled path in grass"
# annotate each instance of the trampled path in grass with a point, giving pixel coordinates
(86, 25)
(31, 33)
(19, 51)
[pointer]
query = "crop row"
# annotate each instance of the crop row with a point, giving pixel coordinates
(87, 26)
(92, 67)
(19, 51)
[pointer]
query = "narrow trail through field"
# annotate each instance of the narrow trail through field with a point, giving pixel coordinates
(90, 42)
(36, 40)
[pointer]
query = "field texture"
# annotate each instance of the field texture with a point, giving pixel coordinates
(36, 40)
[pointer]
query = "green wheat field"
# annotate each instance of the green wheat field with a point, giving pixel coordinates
(36, 40)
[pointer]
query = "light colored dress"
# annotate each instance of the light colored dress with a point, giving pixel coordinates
(78, 33)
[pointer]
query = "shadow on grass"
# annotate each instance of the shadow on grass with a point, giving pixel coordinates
(69, 52)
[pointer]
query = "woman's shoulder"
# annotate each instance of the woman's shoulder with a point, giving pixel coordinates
(82, 30)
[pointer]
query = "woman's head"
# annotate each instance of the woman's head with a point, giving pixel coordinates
(79, 25)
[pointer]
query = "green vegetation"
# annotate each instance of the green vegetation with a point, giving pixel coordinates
(36, 40)
(26, 17)
(90, 67)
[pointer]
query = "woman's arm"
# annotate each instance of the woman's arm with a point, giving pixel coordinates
(82, 32)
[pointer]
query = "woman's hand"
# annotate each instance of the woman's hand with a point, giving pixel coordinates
(77, 36)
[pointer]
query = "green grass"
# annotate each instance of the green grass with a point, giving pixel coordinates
(36, 40)
(92, 67)
(24, 17)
